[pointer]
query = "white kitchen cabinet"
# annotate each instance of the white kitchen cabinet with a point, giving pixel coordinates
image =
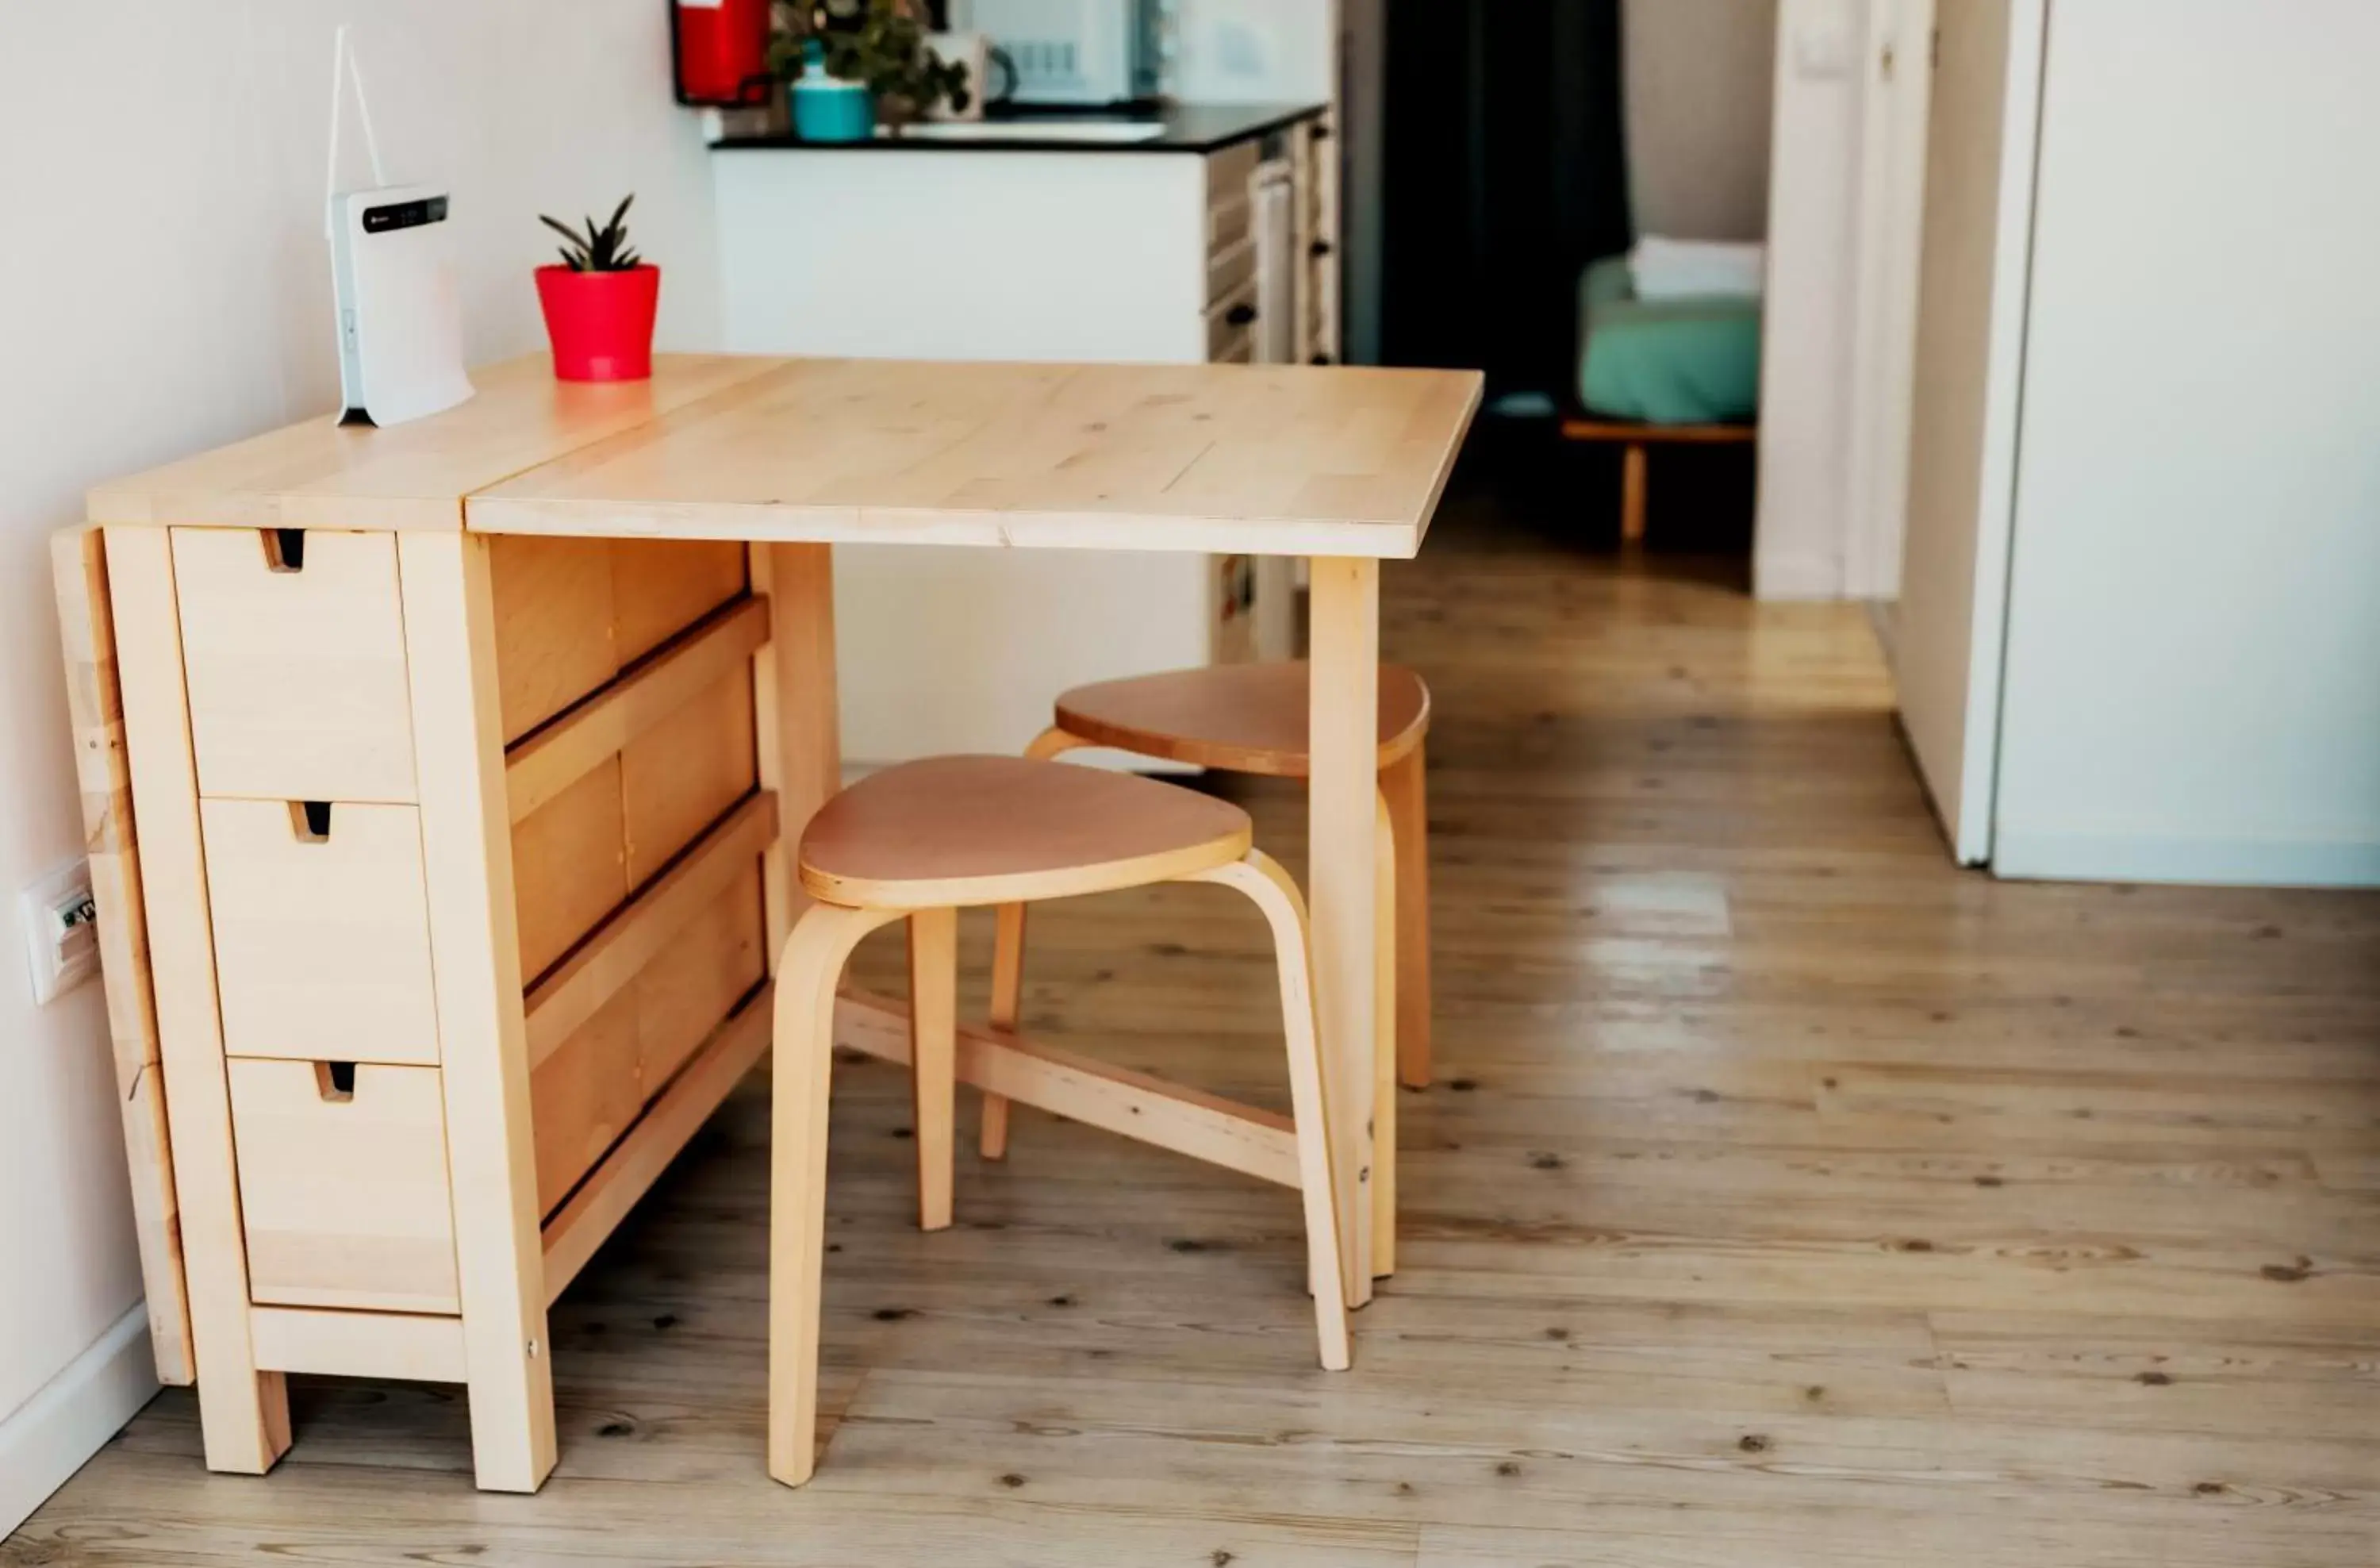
(1144, 253)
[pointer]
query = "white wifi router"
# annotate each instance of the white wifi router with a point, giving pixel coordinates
(394, 279)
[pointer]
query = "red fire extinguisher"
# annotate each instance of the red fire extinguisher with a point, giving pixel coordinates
(719, 53)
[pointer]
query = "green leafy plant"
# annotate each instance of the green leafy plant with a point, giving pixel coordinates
(880, 43)
(603, 249)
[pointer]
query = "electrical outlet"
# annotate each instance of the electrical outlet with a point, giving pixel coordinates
(61, 930)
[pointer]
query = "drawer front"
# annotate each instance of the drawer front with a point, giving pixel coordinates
(1227, 174)
(1227, 273)
(1229, 224)
(343, 1185)
(322, 927)
(295, 657)
(1231, 326)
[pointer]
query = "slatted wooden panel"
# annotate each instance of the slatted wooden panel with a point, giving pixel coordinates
(577, 621)
(94, 703)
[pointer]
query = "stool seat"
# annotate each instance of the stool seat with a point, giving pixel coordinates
(1241, 718)
(962, 832)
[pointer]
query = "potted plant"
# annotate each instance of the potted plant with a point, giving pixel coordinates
(850, 62)
(599, 303)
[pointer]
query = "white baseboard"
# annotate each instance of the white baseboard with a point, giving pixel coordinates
(51, 1434)
(2101, 857)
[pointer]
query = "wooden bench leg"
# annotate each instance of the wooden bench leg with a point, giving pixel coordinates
(801, 1072)
(933, 1057)
(1632, 481)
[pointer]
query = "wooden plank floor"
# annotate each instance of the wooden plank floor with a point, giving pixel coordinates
(1787, 1198)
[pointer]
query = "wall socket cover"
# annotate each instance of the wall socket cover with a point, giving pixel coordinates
(60, 923)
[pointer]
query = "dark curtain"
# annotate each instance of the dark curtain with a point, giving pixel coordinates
(1505, 174)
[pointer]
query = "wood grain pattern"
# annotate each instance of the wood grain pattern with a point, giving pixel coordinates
(344, 1198)
(112, 850)
(798, 726)
(647, 924)
(592, 1086)
(318, 474)
(244, 1423)
(467, 858)
(322, 946)
(360, 1344)
(952, 831)
(1264, 460)
(1343, 843)
(543, 766)
(1244, 718)
(1248, 1139)
(637, 1160)
(297, 679)
(2077, 1269)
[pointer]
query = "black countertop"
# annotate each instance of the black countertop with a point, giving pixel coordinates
(1188, 128)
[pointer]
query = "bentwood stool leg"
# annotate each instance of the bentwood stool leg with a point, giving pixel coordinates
(1270, 889)
(933, 1057)
(1008, 964)
(1007, 1003)
(1385, 984)
(801, 1070)
(1402, 785)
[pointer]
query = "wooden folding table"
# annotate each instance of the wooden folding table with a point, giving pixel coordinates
(438, 780)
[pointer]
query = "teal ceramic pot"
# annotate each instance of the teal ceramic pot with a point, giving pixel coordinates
(829, 110)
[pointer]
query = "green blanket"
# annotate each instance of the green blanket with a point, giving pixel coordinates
(1670, 362)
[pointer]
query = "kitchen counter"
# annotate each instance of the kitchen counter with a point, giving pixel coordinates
(1179, 128)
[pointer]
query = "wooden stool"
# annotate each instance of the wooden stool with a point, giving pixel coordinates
(923, 841)
(1252, 719)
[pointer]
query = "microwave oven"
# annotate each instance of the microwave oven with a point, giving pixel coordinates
(1086, 54)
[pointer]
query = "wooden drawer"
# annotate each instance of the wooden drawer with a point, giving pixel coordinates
(1229, 224)
(293, 648)
(1228, 272)
(343, 1185)
(1231, 326)
(322, 943)
(1228, 170)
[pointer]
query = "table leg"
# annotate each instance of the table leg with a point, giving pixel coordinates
(800, 739)
(1343, 803)
(482, 1032)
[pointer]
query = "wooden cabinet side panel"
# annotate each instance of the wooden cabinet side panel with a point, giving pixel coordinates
(243, 1413)
(111, 846)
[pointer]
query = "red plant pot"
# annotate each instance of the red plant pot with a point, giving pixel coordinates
(601, 323)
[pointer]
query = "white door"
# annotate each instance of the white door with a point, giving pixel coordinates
(1949, 628)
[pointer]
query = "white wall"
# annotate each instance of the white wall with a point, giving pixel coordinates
(1698, 84)
(1846, 188)
(163, 288)
(1255, 51)
(2194, 659)
(1807, 348)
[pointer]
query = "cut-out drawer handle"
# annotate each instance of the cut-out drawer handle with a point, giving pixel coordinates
(311, 821)
(335, 1081)
(285, 550)
(1239, 315)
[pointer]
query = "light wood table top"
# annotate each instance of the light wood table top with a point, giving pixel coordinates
(1270, 460)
